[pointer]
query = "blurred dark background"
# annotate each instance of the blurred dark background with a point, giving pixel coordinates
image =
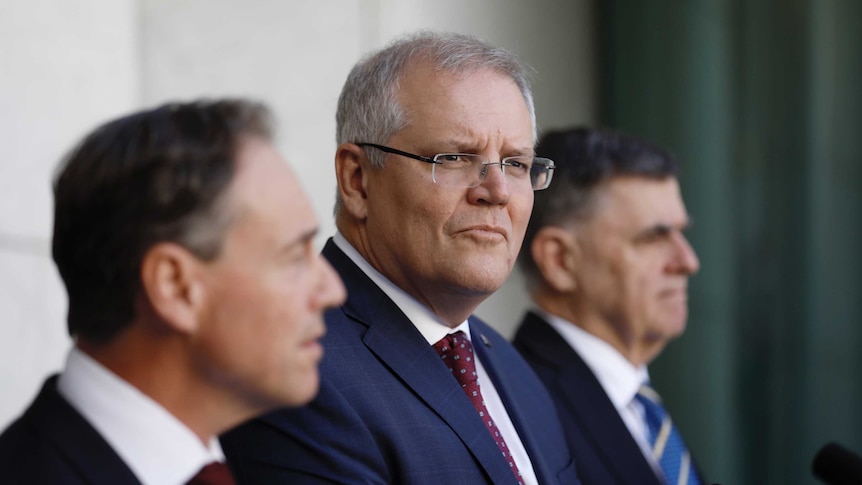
(762, 103)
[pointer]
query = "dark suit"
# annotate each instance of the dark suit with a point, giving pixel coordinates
(600, 442)
(53, 444)
(389, 410)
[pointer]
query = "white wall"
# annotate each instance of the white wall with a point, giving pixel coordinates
(66, 65)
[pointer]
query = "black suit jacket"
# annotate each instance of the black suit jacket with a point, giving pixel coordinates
(389, 410)
(51, 443)
(600, 442)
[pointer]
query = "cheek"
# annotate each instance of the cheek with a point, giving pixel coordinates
(648, 301)
(256, 320)
(520, 217)
(520, 207)
(408, 222)
(640, 285)
(601, 284)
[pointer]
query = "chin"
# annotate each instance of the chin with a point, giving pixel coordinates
(483, 285)
(302, 392)
(677, 329)
(484, 273)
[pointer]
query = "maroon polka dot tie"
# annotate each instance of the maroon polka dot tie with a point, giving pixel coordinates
(457, 353)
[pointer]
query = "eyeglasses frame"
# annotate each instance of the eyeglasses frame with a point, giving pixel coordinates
(414, 156)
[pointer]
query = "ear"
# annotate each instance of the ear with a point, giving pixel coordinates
(351, 173)
(172, 283)
(555, 252)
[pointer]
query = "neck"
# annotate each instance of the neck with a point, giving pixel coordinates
(160, 367)
(637, 349)
(452, 310)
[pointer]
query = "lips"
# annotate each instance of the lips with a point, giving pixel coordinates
(314, 339)
(487, 229)
(674, 293)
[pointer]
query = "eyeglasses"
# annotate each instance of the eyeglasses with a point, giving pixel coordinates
(469, 169)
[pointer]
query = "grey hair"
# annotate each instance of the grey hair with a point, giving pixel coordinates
(368, 109)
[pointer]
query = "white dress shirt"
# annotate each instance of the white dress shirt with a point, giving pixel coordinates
(619, 378)
(433, 329)
(157, 447)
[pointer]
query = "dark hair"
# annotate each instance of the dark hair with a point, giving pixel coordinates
(585, 158)
(152, 176)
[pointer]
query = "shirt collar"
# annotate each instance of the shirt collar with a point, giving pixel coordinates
(157, 447)
(617, 376)
(426, 322)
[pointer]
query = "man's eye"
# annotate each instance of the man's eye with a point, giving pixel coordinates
(456, 159)
(516, 165)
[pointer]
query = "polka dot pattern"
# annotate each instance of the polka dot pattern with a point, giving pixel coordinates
(457, 353)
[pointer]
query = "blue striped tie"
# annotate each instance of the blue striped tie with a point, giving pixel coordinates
(668, 448)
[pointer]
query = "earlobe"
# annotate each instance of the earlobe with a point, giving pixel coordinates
(554, 251)
(351, 175)
(170, 282)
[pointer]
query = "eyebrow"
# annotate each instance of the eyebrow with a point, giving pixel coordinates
(661, 229)
(303, 238)
(467, 146)
(522, 153)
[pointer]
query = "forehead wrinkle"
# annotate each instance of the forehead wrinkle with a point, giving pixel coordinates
(472, 126)
(470, 140)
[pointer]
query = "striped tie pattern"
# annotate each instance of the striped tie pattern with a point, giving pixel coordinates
(668, 448)
(457, 353)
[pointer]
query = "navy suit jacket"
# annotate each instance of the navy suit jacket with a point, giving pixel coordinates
(51, 443)
(600, 442)
(389, 410)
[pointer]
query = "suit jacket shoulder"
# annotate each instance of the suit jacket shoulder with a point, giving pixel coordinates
(389, 411)
(599, 440)
(51, 443)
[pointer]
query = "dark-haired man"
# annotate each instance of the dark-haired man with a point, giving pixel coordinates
(607, 267)
(195, 299)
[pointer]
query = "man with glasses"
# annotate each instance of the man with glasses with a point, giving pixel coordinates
(436, 173)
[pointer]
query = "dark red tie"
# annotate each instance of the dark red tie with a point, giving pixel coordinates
(457, 353)
(216, 473)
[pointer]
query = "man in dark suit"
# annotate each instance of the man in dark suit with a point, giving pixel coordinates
(196, 299)
(607, 266)
(436, 174)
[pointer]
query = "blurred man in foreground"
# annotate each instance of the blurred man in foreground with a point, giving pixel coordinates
(607, 266)
(195, 299)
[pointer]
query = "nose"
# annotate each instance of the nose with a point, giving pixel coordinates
(493, 187)
(685, 259)
(331, 289)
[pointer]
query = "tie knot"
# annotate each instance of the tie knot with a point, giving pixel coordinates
(457, 353)
(652, 405)
(647, 392)
(215, 473)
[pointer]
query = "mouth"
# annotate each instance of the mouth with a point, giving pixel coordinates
(675, 293)
(312, 343)
(486, 232)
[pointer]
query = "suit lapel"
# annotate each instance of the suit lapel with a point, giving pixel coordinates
(73, 437)
(513, 399)
(402, 349)
(585, 397)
